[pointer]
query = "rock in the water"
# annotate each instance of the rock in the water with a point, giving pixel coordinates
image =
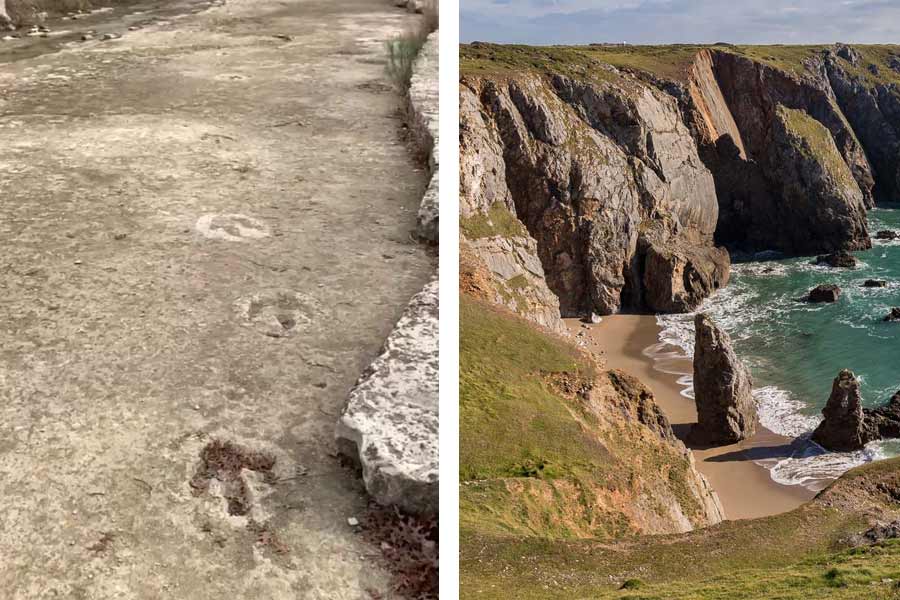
(390, 422)
(894, 315)
(845, 427)
(887, 417)
(887, 234)
(841, 259)
(824, 293)
(726, 411)
(875, 283)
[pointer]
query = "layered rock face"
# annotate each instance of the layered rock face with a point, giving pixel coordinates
(605, 177)
(790, 173)
(627, 179)
(847, 425)
(871, 103)
(726, 411)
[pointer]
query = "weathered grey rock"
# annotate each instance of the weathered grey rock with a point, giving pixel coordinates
(423, 105)
(390, 422)
(883, 531)
(518, 279)
(726, 411)
(887, 418)
(824, 293)
(845, 426)
(607, 180)
(767, 183)
(842, 260)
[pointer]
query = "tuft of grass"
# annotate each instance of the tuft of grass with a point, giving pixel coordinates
(631, 584)
(498, 221)
(403, 49)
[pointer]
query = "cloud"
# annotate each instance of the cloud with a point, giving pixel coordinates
(680, 21)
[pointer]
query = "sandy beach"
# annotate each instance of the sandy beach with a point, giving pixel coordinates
(744, 486)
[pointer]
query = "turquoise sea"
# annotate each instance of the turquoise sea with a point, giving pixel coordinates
(795, 349)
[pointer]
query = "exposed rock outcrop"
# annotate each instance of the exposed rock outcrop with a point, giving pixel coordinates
(496, 244)
(824, 293)
(820, 203)
(840, 260)
(875, 283)
(423, 109)
(887, 235)
(607, 180)
(390, 422)
(726, 411)
(872, 107)
(847, 425)
(776, 143)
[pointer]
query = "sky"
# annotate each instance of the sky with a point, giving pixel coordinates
(680, 21)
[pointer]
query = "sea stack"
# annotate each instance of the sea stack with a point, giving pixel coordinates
(845, 427)
(726, 411)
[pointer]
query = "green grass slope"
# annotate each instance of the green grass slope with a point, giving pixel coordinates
(551, 447)
(805, 553)
(550, 478)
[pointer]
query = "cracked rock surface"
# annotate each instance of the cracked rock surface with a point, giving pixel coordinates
(390, 423)
(125, 350)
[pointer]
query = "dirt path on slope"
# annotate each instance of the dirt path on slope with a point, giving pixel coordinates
(204, 234)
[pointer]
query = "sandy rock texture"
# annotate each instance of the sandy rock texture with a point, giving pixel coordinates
(205, 235)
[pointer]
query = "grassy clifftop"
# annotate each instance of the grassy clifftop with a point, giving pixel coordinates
(877, 64)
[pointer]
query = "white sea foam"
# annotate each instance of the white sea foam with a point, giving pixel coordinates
(813, 467)
(780, 412)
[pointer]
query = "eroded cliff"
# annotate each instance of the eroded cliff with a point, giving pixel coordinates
(628, 167)
(606, 179)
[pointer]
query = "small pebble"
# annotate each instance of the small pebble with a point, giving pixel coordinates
(352, 522)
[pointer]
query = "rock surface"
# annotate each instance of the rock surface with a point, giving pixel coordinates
(824, 293)
(780, 152)
(606, 178)
(842, 260)
(847, 425)
(875, 283)
(894, 315)
(726, 411)
(887, 235)
(180, 115)
(423, 106)
(390, 422)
